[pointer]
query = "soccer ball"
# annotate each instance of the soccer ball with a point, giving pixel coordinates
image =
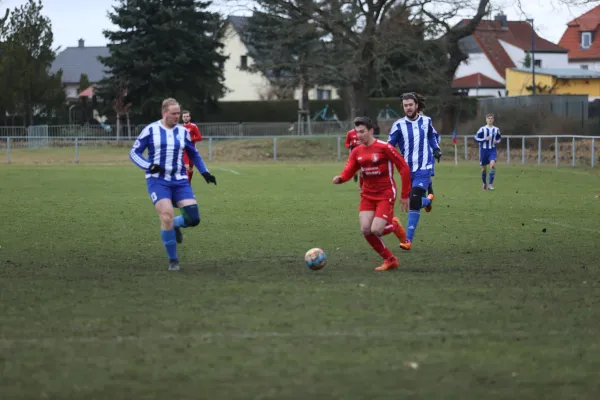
(315, 258)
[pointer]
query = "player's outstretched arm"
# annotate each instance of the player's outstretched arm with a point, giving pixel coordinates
(480, 135)
(193, 154)
(350, 169)
(403, 170)
(432, 137)
(498, 137)
(137, 151)
(395, 136)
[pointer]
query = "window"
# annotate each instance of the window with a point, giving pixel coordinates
(584, 66)
(538, 63)
(586, 40)
(244, 62)
(323, 94)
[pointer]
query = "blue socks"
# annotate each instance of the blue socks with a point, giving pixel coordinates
(492, 176)
(168, 238)
(483, 177)
(179, 222)
(413, 221)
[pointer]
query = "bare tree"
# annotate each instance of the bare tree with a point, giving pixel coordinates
(357, 40)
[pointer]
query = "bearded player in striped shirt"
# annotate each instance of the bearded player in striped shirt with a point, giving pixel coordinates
(376, 160)
(415, 136)
(488, 137)
(166, 177)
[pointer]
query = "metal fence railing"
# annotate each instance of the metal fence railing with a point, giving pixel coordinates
(207, 129)
(572, 151)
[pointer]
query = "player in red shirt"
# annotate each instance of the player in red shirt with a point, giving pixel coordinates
(196, 137)
(351, 142)
(376, 159)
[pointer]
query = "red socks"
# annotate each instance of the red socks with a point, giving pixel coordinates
(378, 245)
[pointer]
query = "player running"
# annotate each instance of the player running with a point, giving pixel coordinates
(167, 183)
(488, 137)
(196, 137)
(351, 142)
(417, 141)
(376, 159)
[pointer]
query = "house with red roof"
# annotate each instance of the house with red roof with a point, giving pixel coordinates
(499, 44)
(582, 39)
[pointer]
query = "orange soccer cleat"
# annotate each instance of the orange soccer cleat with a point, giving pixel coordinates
(406, 245)
(389, 264)
(399, 232)
(430, 197)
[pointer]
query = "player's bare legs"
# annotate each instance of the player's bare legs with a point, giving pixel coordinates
(165, 211)
(484, 177)
(492, 174)
(190, 216)
(372, 228)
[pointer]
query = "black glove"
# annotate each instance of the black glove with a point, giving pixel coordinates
(209, 178)
(155, 169)
(437, 154)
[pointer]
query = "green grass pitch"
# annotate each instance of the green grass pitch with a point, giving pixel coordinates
(488, 305)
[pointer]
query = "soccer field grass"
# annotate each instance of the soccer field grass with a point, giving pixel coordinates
(488, 305)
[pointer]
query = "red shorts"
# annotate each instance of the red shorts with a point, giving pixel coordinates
(383, 208)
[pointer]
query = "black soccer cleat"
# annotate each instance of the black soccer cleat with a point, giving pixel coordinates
(173, 265)
(178, 235)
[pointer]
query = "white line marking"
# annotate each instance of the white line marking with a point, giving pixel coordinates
(228, 170)
(216, 336)
(547, 221)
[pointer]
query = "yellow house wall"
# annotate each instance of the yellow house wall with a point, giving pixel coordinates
(517, 82)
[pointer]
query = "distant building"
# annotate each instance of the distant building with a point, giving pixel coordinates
(553, 81)
(75, 61)
(582, 41)
(499, 44)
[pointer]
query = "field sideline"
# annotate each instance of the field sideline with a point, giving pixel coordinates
(498, 299)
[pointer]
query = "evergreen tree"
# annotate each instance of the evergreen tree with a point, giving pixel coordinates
(27, 87)
(164, 48)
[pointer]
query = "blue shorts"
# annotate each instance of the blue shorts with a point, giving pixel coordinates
(487, 155)
(421, 178)
(175, 190)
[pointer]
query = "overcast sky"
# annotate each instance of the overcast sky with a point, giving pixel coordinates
(85, 19)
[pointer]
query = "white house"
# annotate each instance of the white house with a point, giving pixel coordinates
(244, 85)
(499, 44)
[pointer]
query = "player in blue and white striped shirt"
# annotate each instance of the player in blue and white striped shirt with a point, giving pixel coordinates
(166, 177)
(488, 137)
(416, 139)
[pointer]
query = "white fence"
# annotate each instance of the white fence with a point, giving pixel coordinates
(572, 151)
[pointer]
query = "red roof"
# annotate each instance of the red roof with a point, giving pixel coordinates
(518, 33)
(571, 39)
(476, 81)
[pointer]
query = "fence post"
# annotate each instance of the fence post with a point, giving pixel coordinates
(556, 149)
(76, 150)
(539, 150)
(573, 151)
(466, 149)
(274, 148)
(210, 148)
(339, 148)
(593, 152)
(508, 150)
(8, 149)
(523, 151)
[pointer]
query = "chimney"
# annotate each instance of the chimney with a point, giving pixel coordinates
(503, 19)
(81, 43)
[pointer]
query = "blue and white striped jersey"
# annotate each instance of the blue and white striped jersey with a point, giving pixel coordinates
(416, 140)
(165, 148)
(486, 131)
